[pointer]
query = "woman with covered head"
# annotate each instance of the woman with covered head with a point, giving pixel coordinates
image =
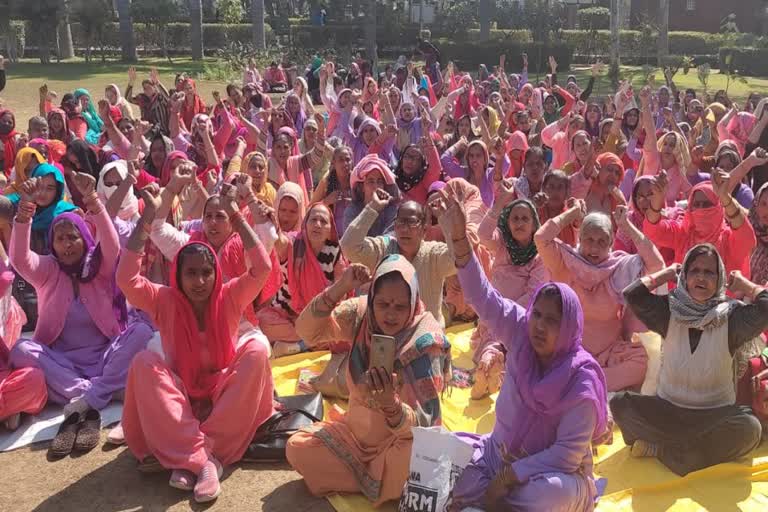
(598, 183)
(693, 421)
(479, 168)
(83, 342)
(334, 188)
(598, 274)
(192, 103)
(27, 160)
(368, 449)
(758, 217)
(711, 216)
(184, 408)
(309, 260)
(518, 270)
(419, 166)
(370, 174)
(91, 116)
(669, 153)
(9, 139)
(552, 404)
(558, 136)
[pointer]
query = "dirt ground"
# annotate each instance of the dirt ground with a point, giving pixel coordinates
(106, 480)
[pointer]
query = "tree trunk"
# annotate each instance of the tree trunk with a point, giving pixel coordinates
(370, 36)
(257, 19)
(127, 38)
(66, 47)
(615, 43)
(196, 28)
(484, 13)
(663, 49)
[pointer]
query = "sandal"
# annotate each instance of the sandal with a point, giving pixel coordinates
(62, 444)
(89, 434)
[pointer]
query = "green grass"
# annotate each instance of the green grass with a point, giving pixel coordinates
(25, 78)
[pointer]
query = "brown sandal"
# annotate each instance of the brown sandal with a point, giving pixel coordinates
(89, 434)
(62, 444)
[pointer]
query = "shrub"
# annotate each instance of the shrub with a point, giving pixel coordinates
(595, 18)
(745, 61)
(469, 56)
(517, 36)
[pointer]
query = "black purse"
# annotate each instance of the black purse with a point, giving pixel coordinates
(269, 442)
(26, 295)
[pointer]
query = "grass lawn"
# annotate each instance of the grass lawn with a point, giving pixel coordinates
(26, 77)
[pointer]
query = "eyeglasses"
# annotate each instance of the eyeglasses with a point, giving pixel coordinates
(410, 223)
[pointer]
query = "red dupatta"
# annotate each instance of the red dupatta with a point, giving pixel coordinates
(190, 109)
(218, 337)
(9, 144)
(306, 278)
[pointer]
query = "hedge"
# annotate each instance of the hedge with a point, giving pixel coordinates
(595, 17)
(468, 57)
(215, 35)
(745, 61)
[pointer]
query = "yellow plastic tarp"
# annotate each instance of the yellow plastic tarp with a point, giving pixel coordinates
(632, 484)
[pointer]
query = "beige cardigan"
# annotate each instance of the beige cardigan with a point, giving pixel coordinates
(433, 262)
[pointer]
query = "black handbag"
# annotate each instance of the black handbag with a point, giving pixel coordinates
(269, 442)
(26, 295)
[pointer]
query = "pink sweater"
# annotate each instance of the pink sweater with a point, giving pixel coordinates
(54, 288)
(557, 138)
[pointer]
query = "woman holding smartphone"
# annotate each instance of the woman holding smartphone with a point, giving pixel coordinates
(368, 450)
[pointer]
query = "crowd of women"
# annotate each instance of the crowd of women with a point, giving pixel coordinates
(159, 248)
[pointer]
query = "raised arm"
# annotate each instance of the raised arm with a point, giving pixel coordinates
(651, 256)
(105, 229)
(549, 246)
(27, 263)
(503, 316)
(356, 244)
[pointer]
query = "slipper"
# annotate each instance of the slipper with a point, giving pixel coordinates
(90, 432)
(116, 436)
(62, 444)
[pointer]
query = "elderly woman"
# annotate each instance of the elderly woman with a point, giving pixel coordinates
(598, 275)
(517, 271)
(370, 174)
(693, 422)
(368, 450)
(598, 183)
(309, 260)
(711, 216)
(552, 405)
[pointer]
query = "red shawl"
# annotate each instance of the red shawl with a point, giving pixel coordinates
(218, 338)
(9, 144)
(306, 278)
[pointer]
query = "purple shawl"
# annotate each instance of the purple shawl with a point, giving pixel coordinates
(88, 267)
(572, 375)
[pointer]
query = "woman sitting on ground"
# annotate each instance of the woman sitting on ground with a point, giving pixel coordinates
(711, 216)
(552, 405)
(518, 271)
(184, 408)
(310, 260)
(370, 174)
(598, 274)
(693, 422)
(83, 342)
(368, 449)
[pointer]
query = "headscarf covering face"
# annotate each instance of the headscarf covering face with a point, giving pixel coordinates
(44, 215)
(129, 208)
(696, 315)
(519, 255)
(23, 158)
(704, 225)
(186, 352)
(293, 191)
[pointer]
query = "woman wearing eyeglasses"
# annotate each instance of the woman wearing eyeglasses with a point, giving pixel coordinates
(432, 260)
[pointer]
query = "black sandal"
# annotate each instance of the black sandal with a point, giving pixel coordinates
(89, 434)
(62, 444)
